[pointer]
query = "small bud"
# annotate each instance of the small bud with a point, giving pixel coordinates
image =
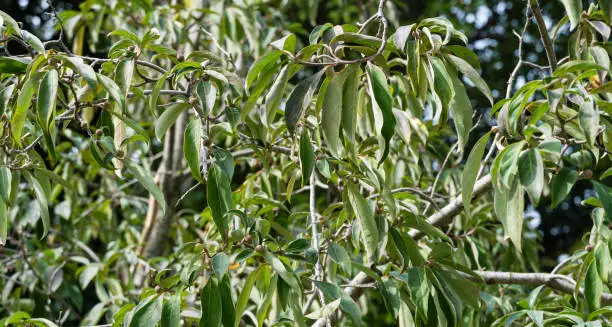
(120, 153)
(157, 289)
(587, 174)
(99, 132)
(260, 249)
(180, 56)
(131, 48)
(193, 100)
(84, 125)
(589, 248)
(248, 239)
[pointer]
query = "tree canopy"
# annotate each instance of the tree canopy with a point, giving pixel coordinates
(271, 163)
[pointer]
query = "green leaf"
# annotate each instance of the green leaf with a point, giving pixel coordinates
(168, 118)
(219, 197)
(298, 245)
(299, 99)
(461, 109)
(228, 316)
(47, 95)
(531, 174)
(593, 287)
(20, 112)
(337, 253)
(605, 196)
(157, 88)
(331, 112)
(365, 216)
(466, 69)
(113, 91)
(316, 33)
(12, 65)
(225, 160)
(82, 69)
(257, 67)
(346, 302)
(509, 208)
(562, 184)
(207, 96)
(171, 311)
(5, 183)
(324, 311)
(3, 222)
(380, 93)
(147, 313)
(41, 196)
(192, 147)
(286, 43)
(12, 27)
(573, 9)
(210, 300)
(407, 247)
(470, 171)
(286, 275)
(350, 100)
(245, 293)
(147, 181)
(307, 157)
(274, 97)
(465, 290)
(589, 121)
(220, 262)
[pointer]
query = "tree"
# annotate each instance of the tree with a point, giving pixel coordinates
(222, 166)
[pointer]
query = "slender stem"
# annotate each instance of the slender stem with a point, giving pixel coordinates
(548, 44)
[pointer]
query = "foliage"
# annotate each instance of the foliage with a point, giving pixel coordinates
(136, 183)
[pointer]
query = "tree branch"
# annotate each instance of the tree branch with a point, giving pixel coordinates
(548, 44)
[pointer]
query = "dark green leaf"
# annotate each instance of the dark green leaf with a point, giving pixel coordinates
(573, 9)
(47, 95)
(589, 121)
(147, 313)
(470, 171)
(225, 160)
(365, 216)
(299, 99)
(192, 147)
(168, 118)
(171, 311)
(113, 90)
(331, 112)
(531, 174)
(207, 96)
(220, 262)
(605, 196)
(219, 197)
(307, 157)
(461, 109)
(229, 311)
(210, 300)
(380, 93)
(346, 302)
(12, 65)
(562, 184)
(593, 287)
